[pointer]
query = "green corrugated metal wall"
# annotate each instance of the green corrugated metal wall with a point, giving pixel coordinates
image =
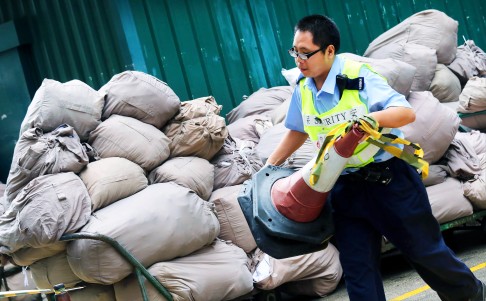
(71, 39)
(231, 48)
(224, 48)
(62, 40)
(228, 48)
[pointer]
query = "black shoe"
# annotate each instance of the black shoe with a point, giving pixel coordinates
(481, 295)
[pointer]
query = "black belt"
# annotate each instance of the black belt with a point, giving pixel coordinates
(374, 173)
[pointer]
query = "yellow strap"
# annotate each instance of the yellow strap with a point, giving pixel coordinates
(416, 160)
(375, 138)
(326, 145)
(413, 160)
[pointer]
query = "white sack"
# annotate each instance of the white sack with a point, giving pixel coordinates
(291, 75)
(437, 175)
(476, 139)
(476, 121)
(279, 114)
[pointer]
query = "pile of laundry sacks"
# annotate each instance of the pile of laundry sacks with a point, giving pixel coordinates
(161, 176)
(158, 175)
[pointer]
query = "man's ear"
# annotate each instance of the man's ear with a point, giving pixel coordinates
(330, 50)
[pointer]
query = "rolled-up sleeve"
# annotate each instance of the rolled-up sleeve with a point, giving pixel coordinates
(293, 121)
(379, 94)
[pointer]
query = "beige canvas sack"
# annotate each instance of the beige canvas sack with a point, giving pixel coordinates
(235, 163)
(470, 61)
(20, 281)
(445, 85)
(93, 292)
(475, 189)
(234, 227)
(437, 175)
(271, 273)
(53, 270)
(158, 223)
(398, 74)
(194, 173)
(48, 207)
(27, 256)
(279, 114)
(111, 179)
(74, 103)
(474, 121)
(141, 96)
(476, 139)
(129, 138)
(250, 128)
(215, 273)
(3, 204)
(448, 201)
(423, 58)
(261, 102)
(271, 138)
(473, 96)
(199, 107)
(434, 127)
(431, 28)
(38, 154)
(201, 137)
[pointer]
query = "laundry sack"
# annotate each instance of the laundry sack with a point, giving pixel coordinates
(74, 103)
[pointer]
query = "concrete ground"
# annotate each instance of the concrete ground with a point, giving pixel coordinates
(401, 282)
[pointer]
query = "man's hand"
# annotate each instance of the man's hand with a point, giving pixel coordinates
(370, 121)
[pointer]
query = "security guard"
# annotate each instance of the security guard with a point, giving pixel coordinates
(377, 194)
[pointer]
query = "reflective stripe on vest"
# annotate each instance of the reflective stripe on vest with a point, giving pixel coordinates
(348, 108)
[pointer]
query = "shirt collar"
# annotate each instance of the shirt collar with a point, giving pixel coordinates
(329, 85)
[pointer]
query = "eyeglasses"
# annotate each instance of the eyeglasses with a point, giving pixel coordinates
(302, 56)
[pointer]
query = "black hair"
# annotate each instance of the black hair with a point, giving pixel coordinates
(324, 31)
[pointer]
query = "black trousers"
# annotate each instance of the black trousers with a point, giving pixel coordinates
(364, 211)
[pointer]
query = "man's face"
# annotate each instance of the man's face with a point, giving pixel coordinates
(318, 65)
